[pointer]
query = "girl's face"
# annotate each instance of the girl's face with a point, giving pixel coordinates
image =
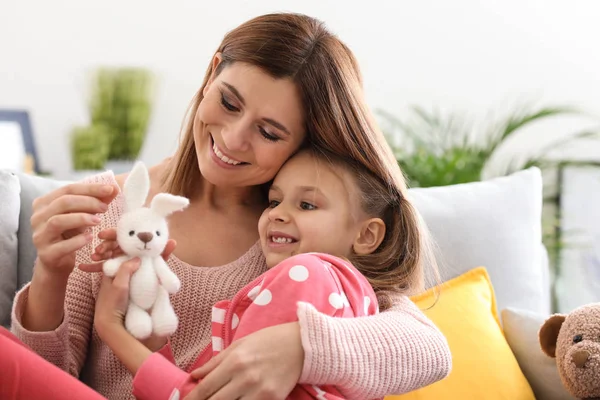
(313, 207)
(247, 126)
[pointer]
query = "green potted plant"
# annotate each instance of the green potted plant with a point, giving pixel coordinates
(90, 147)
(438, 150)
(122, 100)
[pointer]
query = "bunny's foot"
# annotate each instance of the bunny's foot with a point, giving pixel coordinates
(164, 318)
(138, 322)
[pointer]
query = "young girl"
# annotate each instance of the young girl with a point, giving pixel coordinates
(324, 215)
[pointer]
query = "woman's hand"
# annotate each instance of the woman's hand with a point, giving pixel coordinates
(109, 248)
(263, 365)
(59, 220)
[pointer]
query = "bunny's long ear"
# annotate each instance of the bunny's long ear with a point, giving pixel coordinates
(136, 187)
(165, 204)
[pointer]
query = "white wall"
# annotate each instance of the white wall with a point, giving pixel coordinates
(468, 55)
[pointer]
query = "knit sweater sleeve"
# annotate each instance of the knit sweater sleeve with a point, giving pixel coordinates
(402, 348)
(67, 345)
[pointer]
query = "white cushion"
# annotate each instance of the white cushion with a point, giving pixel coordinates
(9, 225)
(495, 224)
(521, 329)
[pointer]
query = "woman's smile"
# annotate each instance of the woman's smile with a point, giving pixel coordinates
(221, 158)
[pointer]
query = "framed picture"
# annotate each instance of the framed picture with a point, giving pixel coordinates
(18, 151)
(578, 281)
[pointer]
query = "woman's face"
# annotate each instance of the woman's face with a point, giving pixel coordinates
(247, 126)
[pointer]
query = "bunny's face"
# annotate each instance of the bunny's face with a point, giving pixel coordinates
(142, 233)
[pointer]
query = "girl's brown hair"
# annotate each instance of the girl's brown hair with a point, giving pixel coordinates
(337, 122)
(396, 266)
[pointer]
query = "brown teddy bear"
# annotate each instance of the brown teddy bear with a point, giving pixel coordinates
(574, 340)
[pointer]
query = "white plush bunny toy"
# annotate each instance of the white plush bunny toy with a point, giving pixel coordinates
(142, 232)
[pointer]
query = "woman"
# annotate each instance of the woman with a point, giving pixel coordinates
(277, 83)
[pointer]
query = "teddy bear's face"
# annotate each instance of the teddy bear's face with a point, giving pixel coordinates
(578, 352)
(142, 233)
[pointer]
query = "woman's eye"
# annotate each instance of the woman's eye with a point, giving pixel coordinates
(227, 104)
(273, 203)
(307, 206)
(270, 137)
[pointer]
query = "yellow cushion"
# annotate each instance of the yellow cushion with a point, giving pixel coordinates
(483, 365)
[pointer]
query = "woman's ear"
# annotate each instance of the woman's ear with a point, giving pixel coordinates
(215, 64)
(369, 237)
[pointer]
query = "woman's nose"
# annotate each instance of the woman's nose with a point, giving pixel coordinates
(236, 136)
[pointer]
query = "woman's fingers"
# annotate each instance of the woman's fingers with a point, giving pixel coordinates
(108, 234)
(169, 249)
(101, 191)
(210, 385)
(70, 204)
(209, 366)
(95, 267)
(58, 224)
(108, 245)
(52, 253)
(68, 197)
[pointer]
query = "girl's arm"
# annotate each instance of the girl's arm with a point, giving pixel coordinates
(155, 374)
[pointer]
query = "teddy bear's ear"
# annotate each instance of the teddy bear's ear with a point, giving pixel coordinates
(136, 187)
(548, 334)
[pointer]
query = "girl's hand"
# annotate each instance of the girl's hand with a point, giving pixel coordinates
(113, 299)
(109, 248)
(111, 307)
(59, 220)
(263, 365)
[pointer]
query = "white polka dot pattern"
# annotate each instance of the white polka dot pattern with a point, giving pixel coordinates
(336, 301)
(217, 343)
(263, 298)
(298, 273)
(254, 292)
(367, 304)
(174, 395)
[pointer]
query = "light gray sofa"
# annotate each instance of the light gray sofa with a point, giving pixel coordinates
(495, 223)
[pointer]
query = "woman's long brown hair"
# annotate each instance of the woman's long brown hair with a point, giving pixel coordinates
(337, 122)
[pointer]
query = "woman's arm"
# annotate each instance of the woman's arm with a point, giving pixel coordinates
(53, 314)
(404, 349)
(66, 344)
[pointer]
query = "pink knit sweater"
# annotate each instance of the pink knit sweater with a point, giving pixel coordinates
(393, 352)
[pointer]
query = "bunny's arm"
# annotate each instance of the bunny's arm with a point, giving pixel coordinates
(167, 278)
(110, 267)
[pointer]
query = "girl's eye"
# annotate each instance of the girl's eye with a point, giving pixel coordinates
(307, 206)
(227, 104)
(273, 203)
(270, 137)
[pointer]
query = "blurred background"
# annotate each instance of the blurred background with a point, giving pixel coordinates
(465, 90)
